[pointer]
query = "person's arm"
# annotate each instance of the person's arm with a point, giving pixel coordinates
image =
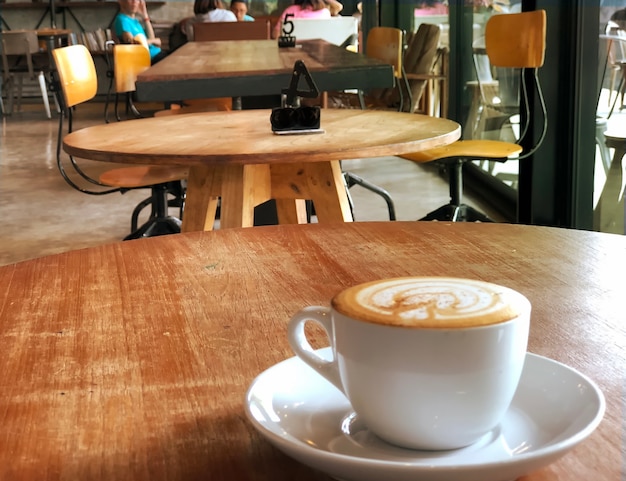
(152, 39)
(278, 28)
(334, 6)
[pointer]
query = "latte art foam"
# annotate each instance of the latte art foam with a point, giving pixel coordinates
(432, 302)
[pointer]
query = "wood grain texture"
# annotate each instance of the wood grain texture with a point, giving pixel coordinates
(256, 67)
(131, 360)
(248, 57)
(215, 31)
(245, 137)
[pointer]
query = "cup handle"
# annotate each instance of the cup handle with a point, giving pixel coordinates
(303, 349)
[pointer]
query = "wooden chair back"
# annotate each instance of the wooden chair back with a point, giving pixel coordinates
(17, 45)
(419, 60)
(385, 44)
(128, 62)
(19, 42)
(342, 31)
(214, 31)
(617, 52)
(273, 19)
(77, 74)
(516, 40)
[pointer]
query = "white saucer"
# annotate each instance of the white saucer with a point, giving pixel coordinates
(303, 415)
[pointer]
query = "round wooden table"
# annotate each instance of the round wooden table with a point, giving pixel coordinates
(236, 156)
(130, 361)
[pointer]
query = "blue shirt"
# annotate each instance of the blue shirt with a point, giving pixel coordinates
(124, 23)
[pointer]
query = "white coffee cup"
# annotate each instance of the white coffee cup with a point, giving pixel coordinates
(427, 363)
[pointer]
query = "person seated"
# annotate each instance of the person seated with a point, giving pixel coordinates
(240, 9)
(207, 11)
(308, 9)
(129, 28)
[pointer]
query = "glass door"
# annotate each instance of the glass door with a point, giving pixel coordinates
(608, 194)
(554, 186)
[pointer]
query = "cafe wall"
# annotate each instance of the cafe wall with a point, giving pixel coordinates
(90, 14)
(94, 14)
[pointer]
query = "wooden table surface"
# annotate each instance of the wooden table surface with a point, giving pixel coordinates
(53, 32)
(236, 156)
(256, 67)
(130, 361)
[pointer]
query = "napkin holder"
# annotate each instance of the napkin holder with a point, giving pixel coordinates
(286, 41)
(291, 117)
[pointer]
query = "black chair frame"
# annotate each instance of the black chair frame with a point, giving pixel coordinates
(159, 222)
(456, 210)
(129, 104)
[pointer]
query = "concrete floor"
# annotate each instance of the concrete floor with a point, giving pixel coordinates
(43, 215)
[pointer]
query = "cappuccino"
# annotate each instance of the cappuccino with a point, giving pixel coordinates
(426, 362)
(430, 302)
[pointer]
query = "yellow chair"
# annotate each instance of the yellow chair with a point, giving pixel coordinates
(516, 40)
(413, 69)
(128, 61)
(387, 45)
(77, 83)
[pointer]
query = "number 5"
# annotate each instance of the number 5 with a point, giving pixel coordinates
(287, 22)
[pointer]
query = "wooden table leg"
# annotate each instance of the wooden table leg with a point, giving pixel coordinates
(328, 192)
(203, 190)
(243, 188)
(322, 182)
(291, 211)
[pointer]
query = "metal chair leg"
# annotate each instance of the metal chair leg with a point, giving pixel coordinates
(455, 210)
(161, 223)
(134, 219)
(361, 99)
(401, 106)
(116, 108)
(352, 179)
(130, 105)
(108, 101)
(408, 88)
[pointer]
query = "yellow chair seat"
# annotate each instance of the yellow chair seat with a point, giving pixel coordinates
(143, 176)
(469, 150)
